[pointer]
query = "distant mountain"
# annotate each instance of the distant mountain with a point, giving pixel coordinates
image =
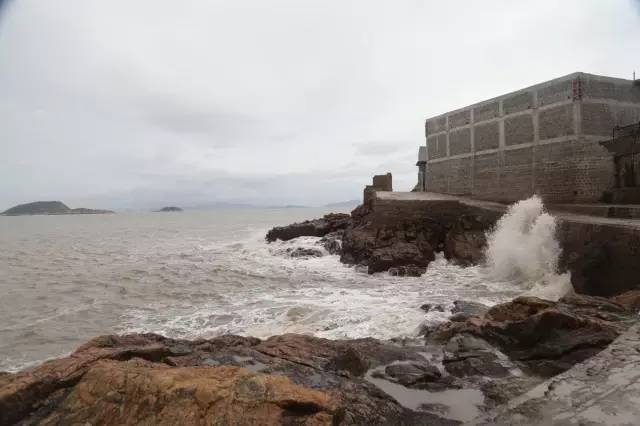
(350, 203)
(170, 209)
(48, 208)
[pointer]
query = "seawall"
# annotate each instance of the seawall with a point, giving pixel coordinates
(601, 253)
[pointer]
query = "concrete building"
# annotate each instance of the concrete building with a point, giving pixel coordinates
(544, 139)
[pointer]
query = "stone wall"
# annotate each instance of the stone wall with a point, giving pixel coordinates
(542, 139)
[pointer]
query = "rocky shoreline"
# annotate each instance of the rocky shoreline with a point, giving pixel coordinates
(488, 357)
(452, 373)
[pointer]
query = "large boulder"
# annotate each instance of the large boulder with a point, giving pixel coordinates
(150, 379)
(547, 337)
(400, 254)
(331, 222)
(141, 392)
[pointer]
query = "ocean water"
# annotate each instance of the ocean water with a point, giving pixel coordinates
(66, 279)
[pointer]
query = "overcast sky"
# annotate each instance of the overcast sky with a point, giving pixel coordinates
(138, 104)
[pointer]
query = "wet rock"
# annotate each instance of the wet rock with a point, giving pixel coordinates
(332, 242)
(400, 254)
(429, 226)
(478, 363)
(466, 240)
(459, 317)
(114, 392)
(304, 252)
(546, 337)
(466, 355)
(629, 300)
(407, 271)
(428, 307)
(349, 360)
(469, 308)
(411, 373)
(149, 379)
(311, 228)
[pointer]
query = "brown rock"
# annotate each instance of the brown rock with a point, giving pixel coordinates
(546, 337)
(466, 240)
(136, 392)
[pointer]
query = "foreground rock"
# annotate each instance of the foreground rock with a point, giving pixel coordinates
(466, 367)
(48, 208)
(544, 337)
(329, 223)
(134, 379)
(604, 390)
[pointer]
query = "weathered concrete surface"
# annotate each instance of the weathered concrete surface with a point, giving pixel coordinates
(604, 390)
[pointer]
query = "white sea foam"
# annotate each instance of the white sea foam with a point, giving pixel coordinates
(523, 248)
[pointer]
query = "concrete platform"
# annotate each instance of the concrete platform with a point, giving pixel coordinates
(620, 211)
(603, 214)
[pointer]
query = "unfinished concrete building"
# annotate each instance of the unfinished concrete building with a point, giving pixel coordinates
(544, 139)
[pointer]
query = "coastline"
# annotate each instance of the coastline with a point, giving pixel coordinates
(478, 360)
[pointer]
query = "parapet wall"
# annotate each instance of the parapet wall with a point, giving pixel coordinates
(542, 139)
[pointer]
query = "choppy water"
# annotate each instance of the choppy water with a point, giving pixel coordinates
(65, 279)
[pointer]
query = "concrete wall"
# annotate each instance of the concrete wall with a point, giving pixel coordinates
(542, 139)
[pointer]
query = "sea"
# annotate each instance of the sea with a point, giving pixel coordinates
(193, 274)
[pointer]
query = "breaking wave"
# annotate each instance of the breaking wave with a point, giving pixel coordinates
(523, 248)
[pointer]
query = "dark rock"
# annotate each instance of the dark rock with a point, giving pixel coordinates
(332, 242)
(311, 228)
(459, 317)
(601, 257)
(546, 337)
(407, 271)
(477, 364)
(304, 252)
(383, 230)
(400, 254)
(349, 360)
(409, 374)
(469, 308)
(466, 355)
(428, 307)
(466, 240)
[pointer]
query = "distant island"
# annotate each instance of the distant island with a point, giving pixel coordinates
(170, 209)
(350, 203)
(48, 208)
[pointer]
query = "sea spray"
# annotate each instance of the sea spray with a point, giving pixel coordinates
(523, 248)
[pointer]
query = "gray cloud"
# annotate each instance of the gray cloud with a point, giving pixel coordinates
(128, 104)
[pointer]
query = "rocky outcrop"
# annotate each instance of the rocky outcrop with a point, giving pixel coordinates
(298, 379)
(546, 337)
(388, 234)
(48, 208)
(329, 223)
(304, 252)
(169, 209)
(150, 379)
